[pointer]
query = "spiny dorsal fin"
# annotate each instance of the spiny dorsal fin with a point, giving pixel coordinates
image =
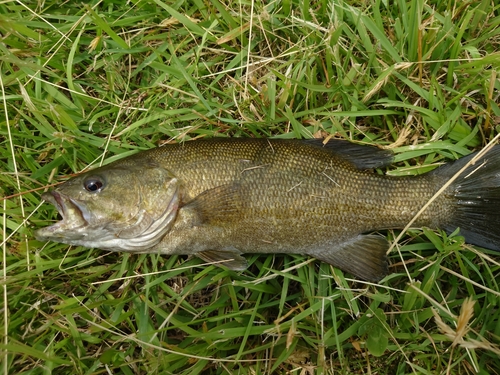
(363, 157)
(364, 257)
(231, 259)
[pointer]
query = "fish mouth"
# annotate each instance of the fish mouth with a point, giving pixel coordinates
(72, 214)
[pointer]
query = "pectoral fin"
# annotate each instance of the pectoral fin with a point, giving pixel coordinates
(231, 259)
(364, 257)
(217, 205)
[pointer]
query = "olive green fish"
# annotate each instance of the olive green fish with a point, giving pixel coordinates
(220, 198)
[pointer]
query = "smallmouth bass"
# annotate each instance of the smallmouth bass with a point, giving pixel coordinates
(220, 198)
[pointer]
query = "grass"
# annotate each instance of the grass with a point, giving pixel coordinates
(84, 83)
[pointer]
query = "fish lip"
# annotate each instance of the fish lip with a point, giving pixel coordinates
(55, 198)
(72, 214)
(61, 203)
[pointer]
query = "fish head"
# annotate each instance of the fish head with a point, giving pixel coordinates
(118, 207)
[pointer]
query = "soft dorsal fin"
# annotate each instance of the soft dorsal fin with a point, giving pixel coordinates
(364, 257)
(363, 157)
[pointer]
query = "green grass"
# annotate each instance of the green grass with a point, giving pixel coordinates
(85, 83)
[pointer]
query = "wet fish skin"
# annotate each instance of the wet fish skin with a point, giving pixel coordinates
(221, 198)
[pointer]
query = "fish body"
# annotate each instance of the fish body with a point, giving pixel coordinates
(221, 198)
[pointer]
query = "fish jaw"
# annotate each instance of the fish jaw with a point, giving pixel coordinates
(73, 222)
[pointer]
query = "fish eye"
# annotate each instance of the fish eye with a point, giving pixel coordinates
(93, 184)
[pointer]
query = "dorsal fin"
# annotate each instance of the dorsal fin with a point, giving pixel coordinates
(363, 157)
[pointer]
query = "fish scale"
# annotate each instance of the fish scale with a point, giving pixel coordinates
(291, 177)
(293, 198)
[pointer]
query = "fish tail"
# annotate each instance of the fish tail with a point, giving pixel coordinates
(475, 197)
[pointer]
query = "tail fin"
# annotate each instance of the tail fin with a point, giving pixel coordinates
(476, 193)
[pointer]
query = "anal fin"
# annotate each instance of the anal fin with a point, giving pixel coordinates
(364, 256)
(231, 259)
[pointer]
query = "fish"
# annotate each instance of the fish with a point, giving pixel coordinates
(220, 198)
